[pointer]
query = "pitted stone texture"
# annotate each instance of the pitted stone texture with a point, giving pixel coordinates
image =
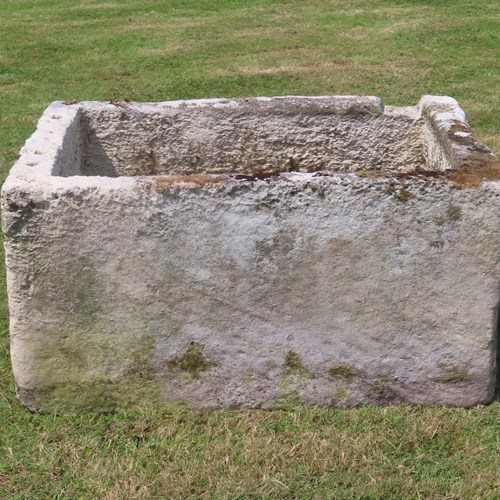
(327, 288)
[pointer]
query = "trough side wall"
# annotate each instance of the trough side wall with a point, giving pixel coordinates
(331, 291)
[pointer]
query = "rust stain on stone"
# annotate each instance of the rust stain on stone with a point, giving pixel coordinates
(476, 169)
(258, 175)
(163, 184)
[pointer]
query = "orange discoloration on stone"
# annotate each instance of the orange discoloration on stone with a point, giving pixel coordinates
(163, 184)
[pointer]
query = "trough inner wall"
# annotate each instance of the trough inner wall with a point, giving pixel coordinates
(125, 142)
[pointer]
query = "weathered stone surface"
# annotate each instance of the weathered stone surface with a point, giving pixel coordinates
(238, 253)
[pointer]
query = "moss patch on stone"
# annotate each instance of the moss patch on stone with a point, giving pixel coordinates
(79, 371)
(342, 371)
(402, 194)
(341, 395)
(100, 395)
(454, 213)
(192, 361)
(436, 244)
(77, 355)
(247, 380)
(293, 361)
(294, 373)
(294, 365)
(381, 383)
(453, 375)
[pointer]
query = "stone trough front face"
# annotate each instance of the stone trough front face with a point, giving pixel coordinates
(239, 253)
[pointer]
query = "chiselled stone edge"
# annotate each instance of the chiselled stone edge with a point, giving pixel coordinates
(451, 129)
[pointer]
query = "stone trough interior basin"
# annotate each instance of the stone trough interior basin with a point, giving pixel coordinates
(246, 252)
(247, 137)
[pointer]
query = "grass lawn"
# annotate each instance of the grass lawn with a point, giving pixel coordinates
(151, 50)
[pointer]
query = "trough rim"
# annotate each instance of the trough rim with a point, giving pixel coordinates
(472, 162)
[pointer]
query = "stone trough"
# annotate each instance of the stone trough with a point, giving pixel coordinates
(251, 252)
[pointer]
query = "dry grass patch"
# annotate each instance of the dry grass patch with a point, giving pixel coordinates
(311, 68)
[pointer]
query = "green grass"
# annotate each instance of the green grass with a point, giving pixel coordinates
(159, 50)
